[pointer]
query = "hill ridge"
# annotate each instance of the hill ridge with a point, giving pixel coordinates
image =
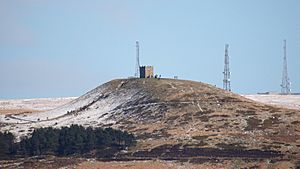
(171, 112)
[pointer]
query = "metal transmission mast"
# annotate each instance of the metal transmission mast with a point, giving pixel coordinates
(137, 66)
(226, 80)
(285, 84)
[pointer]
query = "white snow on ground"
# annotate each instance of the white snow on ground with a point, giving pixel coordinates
(91, 109)
(35, 104)
(287, 101)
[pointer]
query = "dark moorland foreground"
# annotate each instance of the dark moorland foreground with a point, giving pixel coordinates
(175, 123)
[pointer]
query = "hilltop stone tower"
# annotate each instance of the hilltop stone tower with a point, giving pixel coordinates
(146, 72)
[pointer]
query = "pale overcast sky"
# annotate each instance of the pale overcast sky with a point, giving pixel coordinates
(54, 48)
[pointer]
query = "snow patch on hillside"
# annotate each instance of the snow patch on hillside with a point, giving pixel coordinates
(91, 109)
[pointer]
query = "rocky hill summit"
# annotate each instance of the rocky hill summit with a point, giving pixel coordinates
(176, 119)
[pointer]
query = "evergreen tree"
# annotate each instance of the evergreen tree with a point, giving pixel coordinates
(66, 141)
(6, 144)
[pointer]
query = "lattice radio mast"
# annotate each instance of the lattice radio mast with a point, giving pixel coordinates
(137, 66)
(285, 84)
(226, 81)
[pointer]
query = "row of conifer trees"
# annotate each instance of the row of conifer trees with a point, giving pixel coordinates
(65, 141)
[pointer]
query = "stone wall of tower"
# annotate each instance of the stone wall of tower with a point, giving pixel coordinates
(146, 72)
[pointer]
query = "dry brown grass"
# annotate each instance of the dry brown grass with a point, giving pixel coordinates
(52, 162)
(235, 163)
(144, 165)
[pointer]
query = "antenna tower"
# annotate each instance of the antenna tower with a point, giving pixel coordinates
(285, 84)
(137, 66)
(226, 80)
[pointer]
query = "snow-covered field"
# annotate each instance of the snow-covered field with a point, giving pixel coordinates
(34, 104)
(287, 101)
